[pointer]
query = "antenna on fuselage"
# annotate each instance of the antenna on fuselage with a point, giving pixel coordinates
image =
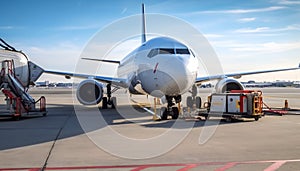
(143, 24)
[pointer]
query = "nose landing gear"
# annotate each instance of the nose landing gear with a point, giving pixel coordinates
(194, 99)
(170, 110)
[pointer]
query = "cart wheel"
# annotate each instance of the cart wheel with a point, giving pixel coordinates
(206, 118)
(228, 119)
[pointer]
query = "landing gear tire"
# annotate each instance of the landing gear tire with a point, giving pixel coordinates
(175, 113)
(104, 103)
(113, 102)
(163, 113)
(198, 102)
(189, 101)
(256, 118)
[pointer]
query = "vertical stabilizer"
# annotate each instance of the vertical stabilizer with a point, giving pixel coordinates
(143, 24)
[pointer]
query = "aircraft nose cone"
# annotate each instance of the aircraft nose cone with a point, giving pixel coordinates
(169, 77)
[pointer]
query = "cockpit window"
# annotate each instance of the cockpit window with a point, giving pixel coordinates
(182, 51)
(166, 51)
(157, 51)
(153, 53)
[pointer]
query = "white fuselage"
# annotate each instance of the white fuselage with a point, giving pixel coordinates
(160, 66)
(20, 64)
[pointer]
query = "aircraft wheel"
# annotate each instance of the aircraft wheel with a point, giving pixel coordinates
(189, 101)
(16, 118)
(163, 113)
(175, 113)
(104, 103)
(113, 102)
(198, 102)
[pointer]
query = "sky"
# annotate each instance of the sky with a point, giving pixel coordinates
(246, 35)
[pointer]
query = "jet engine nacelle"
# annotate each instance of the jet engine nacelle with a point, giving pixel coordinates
(226, 85)
(89, 92)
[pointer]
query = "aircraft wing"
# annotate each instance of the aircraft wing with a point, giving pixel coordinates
(239, 75)
(115, 81)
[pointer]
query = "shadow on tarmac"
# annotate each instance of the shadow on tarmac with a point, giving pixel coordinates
(61, 122)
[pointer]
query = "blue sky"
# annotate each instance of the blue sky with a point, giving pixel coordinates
(246, 35)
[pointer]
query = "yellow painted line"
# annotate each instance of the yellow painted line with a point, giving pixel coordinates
(141, 106)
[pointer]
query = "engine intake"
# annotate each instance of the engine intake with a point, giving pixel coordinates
(89, 92)
(226, 85)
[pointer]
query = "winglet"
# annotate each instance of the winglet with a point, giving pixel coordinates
(143, 24)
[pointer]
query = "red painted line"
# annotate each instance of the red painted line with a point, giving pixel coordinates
(34, 169)
(140, 168)
(188, 167)
(15, 169)
(275, 166)
(227, 166)
(135, 167)
(90, 167)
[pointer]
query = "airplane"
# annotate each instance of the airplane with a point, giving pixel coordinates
(161, 67)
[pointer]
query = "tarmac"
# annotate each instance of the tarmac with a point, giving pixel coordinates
(74, 137)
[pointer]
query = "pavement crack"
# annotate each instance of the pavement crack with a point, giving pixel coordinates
(54, 142)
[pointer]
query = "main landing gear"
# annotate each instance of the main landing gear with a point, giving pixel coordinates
(112, 101)
(194, 99)
(170, 110)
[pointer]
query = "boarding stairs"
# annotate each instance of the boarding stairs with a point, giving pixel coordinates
(19, 103)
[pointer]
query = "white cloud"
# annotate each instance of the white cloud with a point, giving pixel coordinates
(270, 47)
(249, 30)
(257, 48)
(6, 27)
(267, 29)
(243, 11)
(289, 2)
(124, 10)
(244, 20)
(213, 35)
(62, 57)
(81, 27)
